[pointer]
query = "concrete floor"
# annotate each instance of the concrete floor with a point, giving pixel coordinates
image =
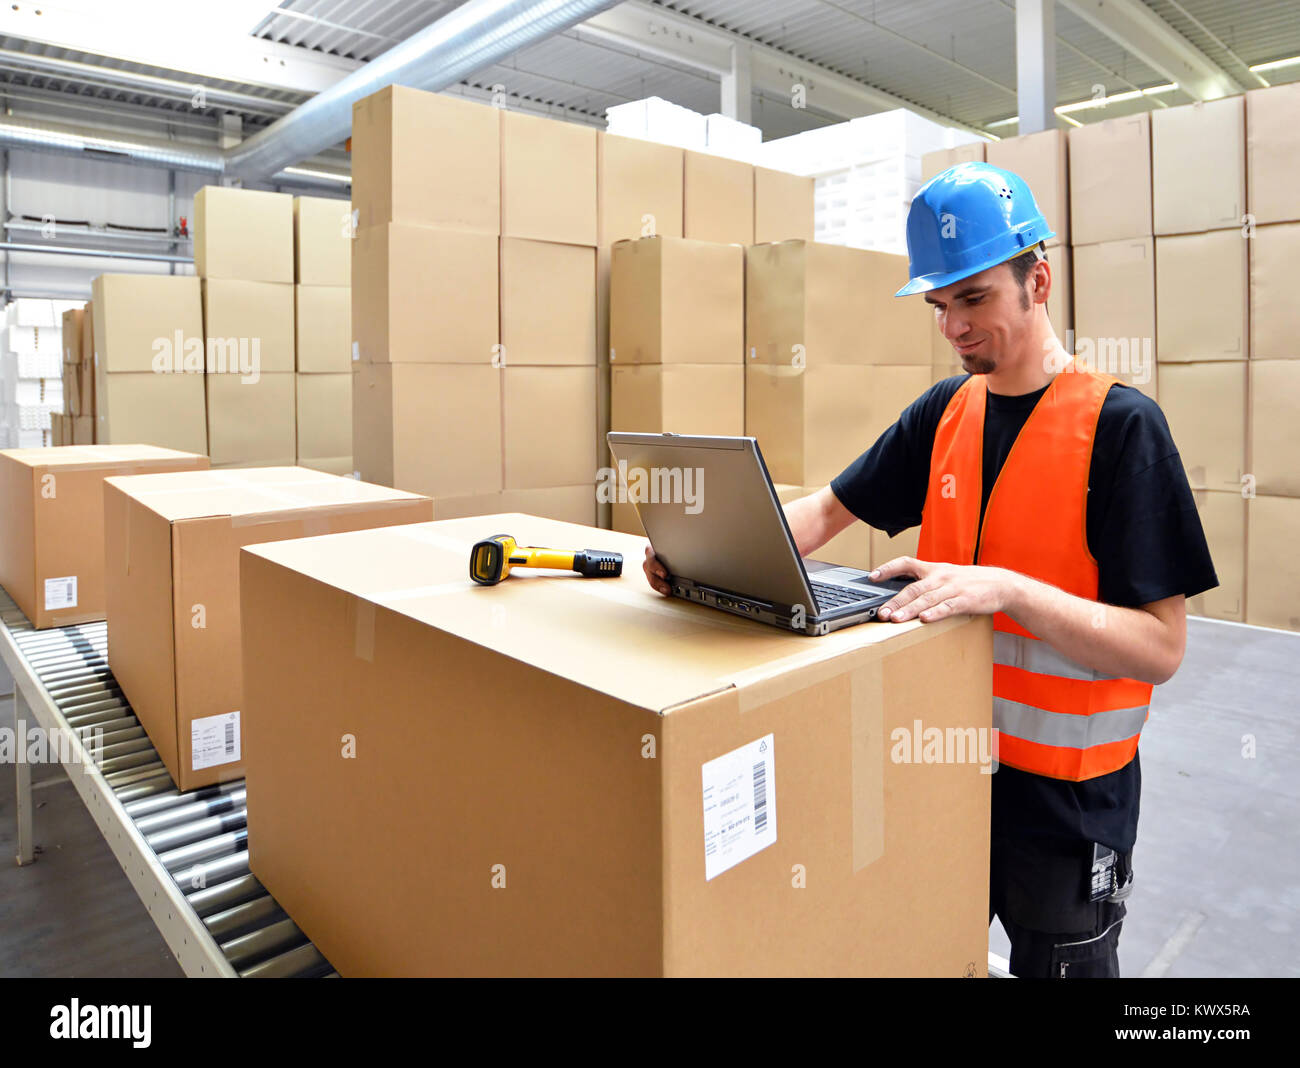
(1217, 860)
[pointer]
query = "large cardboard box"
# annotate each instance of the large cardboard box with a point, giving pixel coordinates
(1273, 153)
(593, 727)
(73, 333)
(548, 180)
(812, 422)
(1110, 180)
(167, 410)
(1060, 300)
(244, 234)
(1194, 190)
(851, 546)
(83, 430)
(1115, 309)
(783, 206)
(1205, 404)
(1042, 160)
(52, 524)
(248, 326)
(171, 550)
(682, 398)
(71, 389)
(426, 158)
(323, 329)
(548, 303)
(568, 504)
(676, 301)
(1223, 518)
(421, 295)
(83, 382)
(322, 241)
(1274, 282)
(719, 199)
(546, 431)
(1274, 427)
(933, 163)
(1272, 564)
(324, 422)
(640, 189)
(812, 304)
(1201, 297)
(252, 421)
(146, 322)
(428, 428)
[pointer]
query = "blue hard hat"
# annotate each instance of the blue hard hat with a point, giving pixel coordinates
(967, 219)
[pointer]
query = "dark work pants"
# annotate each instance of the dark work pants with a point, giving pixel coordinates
(1039, 893)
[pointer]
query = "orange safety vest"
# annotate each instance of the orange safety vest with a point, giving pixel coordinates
(1054, 717)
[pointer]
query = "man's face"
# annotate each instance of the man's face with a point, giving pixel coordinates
(984, 316)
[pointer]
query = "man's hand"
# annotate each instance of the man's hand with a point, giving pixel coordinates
(943, 590)
(655, 572)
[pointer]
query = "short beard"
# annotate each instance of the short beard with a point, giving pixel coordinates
(978, 365)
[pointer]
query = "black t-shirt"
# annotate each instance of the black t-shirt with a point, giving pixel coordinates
(1143, 530)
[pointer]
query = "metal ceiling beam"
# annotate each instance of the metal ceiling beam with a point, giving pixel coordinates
(1036, 65)
(1141, 32)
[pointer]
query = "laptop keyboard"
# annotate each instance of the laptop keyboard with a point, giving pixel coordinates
(829, 596)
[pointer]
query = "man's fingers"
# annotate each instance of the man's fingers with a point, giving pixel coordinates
(901, 565)
(937, 594)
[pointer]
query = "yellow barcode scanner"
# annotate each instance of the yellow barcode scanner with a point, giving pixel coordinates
(491, 560)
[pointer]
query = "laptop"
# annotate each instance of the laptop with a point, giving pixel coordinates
(712, 515)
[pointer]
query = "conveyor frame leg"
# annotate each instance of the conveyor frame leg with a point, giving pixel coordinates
(23, 779)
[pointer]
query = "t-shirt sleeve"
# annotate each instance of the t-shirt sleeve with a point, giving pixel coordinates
(1148, 540)
(885, 487)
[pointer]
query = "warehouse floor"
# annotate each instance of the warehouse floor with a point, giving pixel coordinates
(1218, 837)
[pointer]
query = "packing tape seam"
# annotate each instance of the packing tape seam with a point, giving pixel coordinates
(363, 645)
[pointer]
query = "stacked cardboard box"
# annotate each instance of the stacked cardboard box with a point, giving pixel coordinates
(148, 360)
(322, 234)
(677, 331)
(244, 252)
(31, 371)
(820, 387)
(1273, 389)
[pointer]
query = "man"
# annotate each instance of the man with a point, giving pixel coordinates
(1053, 499)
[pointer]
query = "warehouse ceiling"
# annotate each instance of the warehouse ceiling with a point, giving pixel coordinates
(954, 59)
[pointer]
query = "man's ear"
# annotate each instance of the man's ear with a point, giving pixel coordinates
(1041, 279)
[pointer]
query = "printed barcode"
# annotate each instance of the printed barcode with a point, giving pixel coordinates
(760, 797)
(230, 737)
(67, 590)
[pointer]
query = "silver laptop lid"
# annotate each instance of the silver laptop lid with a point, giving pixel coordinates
(711, 514)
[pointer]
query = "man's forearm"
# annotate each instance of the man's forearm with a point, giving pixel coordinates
(815, 519)
(1126, 642)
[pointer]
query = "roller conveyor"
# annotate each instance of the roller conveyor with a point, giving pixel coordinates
(185, 854)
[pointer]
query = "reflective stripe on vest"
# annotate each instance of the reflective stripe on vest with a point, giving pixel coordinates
(1054, 717)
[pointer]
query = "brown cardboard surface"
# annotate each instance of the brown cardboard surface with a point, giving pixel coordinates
(588, 673)
(248, 324)
(1201, 297)
(673, 300)
(568, 504)
(548, 303)
(1110, 180)
(1272, 153)
(252, 422)
(1274, 428)
(1194, 190)
(426, 158)
(851, 546)
(428, 428)
(1223, 518)
(827, 304)
(167, 410)
(934, 162)
(1205, 404)
(548, 179)
(783, 206)
(681, 398)
(1060, 299)
(52, 522)
(1115, 309)
(603, 256)
(324, 421)
(1042, 160)
(421, 295)
(719, 199)
(244, 234)
(1274, 281)
(323, 329)
(1272, 565)
(546, 432)
(322, 241)
(171, 549)
(71, 389)
(88, 332)
(83, 430)
(813, 422)
(84, 387)
(640, 189)
(138, 317)
(72, 335)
